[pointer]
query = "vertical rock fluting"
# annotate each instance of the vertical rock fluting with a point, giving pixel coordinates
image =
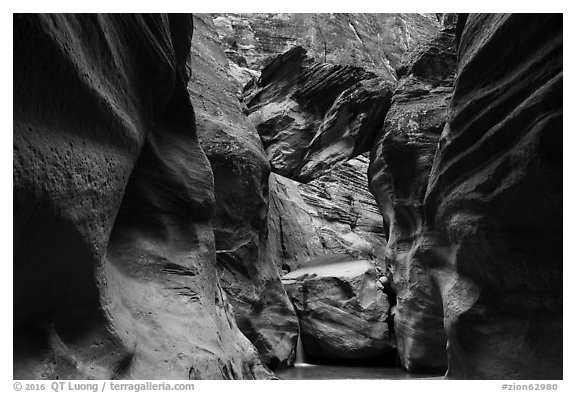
(400, 163)
(495, 199)
(114, 257)
(247, 272)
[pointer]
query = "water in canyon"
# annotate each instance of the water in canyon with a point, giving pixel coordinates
(303, 370)
(308, 371)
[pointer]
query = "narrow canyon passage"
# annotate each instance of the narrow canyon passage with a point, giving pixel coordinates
(288, 196)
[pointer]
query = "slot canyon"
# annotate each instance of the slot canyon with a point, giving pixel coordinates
(288, 196)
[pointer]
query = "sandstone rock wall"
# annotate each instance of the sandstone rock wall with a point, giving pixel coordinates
(114, 255)
(248, 274)
(400, 163)
(495, 200)
(375, 42)
(333, 217)
(312, 116)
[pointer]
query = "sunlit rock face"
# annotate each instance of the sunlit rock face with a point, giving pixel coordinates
(248, 275)
(114, 255)
(400, 163)
(495, 199)
(333, 215)
(375, 42)
(343, 312)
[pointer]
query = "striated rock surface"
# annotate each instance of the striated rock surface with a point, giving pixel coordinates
(313, 116)
(248, 275)
(334, 215)
(401, 160)
(343, 312)
(495, 199)
(114, 258)
(345, 212)
(294, 239)
(375, 42)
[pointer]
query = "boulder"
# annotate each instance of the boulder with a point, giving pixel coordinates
(312, 116)
(494, 199)
(400, 163)
(114, 257)
(248, 275)
(343, 314)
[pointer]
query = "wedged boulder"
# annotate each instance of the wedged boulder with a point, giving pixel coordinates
(400, 163)
(313, 116)
(343, 311)
(114, 258)
(495, 199)
(248, 275)
(334, 215)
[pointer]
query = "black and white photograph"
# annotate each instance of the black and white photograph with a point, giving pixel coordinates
(286, 196)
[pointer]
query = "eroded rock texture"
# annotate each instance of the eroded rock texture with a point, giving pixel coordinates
(313, 116)
(294, 239)
(334, 216)
(375, 42)
(114, 258)
(343, 312)
(495, 199)
(248, 274)
(401, 160)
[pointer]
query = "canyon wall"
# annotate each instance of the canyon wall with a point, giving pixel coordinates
(494, 200)
(313, 116)
(247, 273)
(164, 181)
(474, 215)
(375, 42)
(334, 217)
(114, 254)
(400, 163)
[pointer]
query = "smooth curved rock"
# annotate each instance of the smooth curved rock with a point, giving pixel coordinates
(248, 275)
(400, 163)
(114, 258)
(343, 312)
(313, 116)
(495, 200)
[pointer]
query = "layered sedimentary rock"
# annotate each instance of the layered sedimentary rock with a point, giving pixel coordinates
(375, 42)
(334, 215)
(294, 239)
(313, 116)
(248, 275)
(114, 257)
(343, 312)
(401, 160)
(495, 200)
